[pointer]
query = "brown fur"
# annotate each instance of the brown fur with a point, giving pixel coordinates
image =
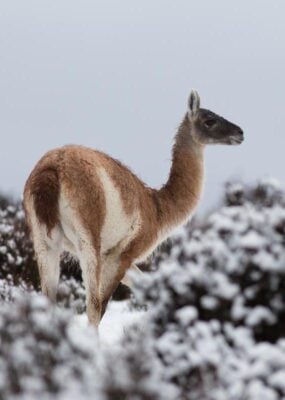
(81, 184)
(180, 195)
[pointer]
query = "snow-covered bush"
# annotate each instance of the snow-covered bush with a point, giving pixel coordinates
(40, 354)
(17, 263)
(266, 193)
(45, 354)
(211, 361)
(6, 291)
(230, 268)
(134, 372)
(221, 281)
(71, 294)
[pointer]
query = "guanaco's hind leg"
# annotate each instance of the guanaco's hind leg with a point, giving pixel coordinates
(101, 277)
(47, 251)
(91, 268)
(112, 273)
(109, 279)
(48, 263)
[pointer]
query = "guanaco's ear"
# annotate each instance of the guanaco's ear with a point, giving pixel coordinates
(193, 103)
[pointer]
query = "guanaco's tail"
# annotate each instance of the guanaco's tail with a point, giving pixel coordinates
(42, 189)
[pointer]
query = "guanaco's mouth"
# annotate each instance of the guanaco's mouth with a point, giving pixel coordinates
(236, 138)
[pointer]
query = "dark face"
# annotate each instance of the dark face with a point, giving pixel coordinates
(210, 128)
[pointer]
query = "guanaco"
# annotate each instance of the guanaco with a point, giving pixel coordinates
(80, 200)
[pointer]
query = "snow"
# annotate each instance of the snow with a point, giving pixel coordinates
(186, 315)
(115, 324)
(257, 391)
(209, 302)
(252, 240)
(259, 314)
(277, 380)
(3, 249)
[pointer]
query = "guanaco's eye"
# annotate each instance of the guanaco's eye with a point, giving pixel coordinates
(209, 122)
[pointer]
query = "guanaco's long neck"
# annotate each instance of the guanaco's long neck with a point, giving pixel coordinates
(181, 193)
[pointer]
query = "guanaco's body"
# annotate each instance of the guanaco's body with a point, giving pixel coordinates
(82, 201)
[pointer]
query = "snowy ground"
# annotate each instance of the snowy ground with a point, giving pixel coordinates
(115, 323)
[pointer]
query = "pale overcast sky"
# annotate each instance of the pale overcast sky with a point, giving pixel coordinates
(115, 75)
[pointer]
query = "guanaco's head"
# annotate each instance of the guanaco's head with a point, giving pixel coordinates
(208, 127)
